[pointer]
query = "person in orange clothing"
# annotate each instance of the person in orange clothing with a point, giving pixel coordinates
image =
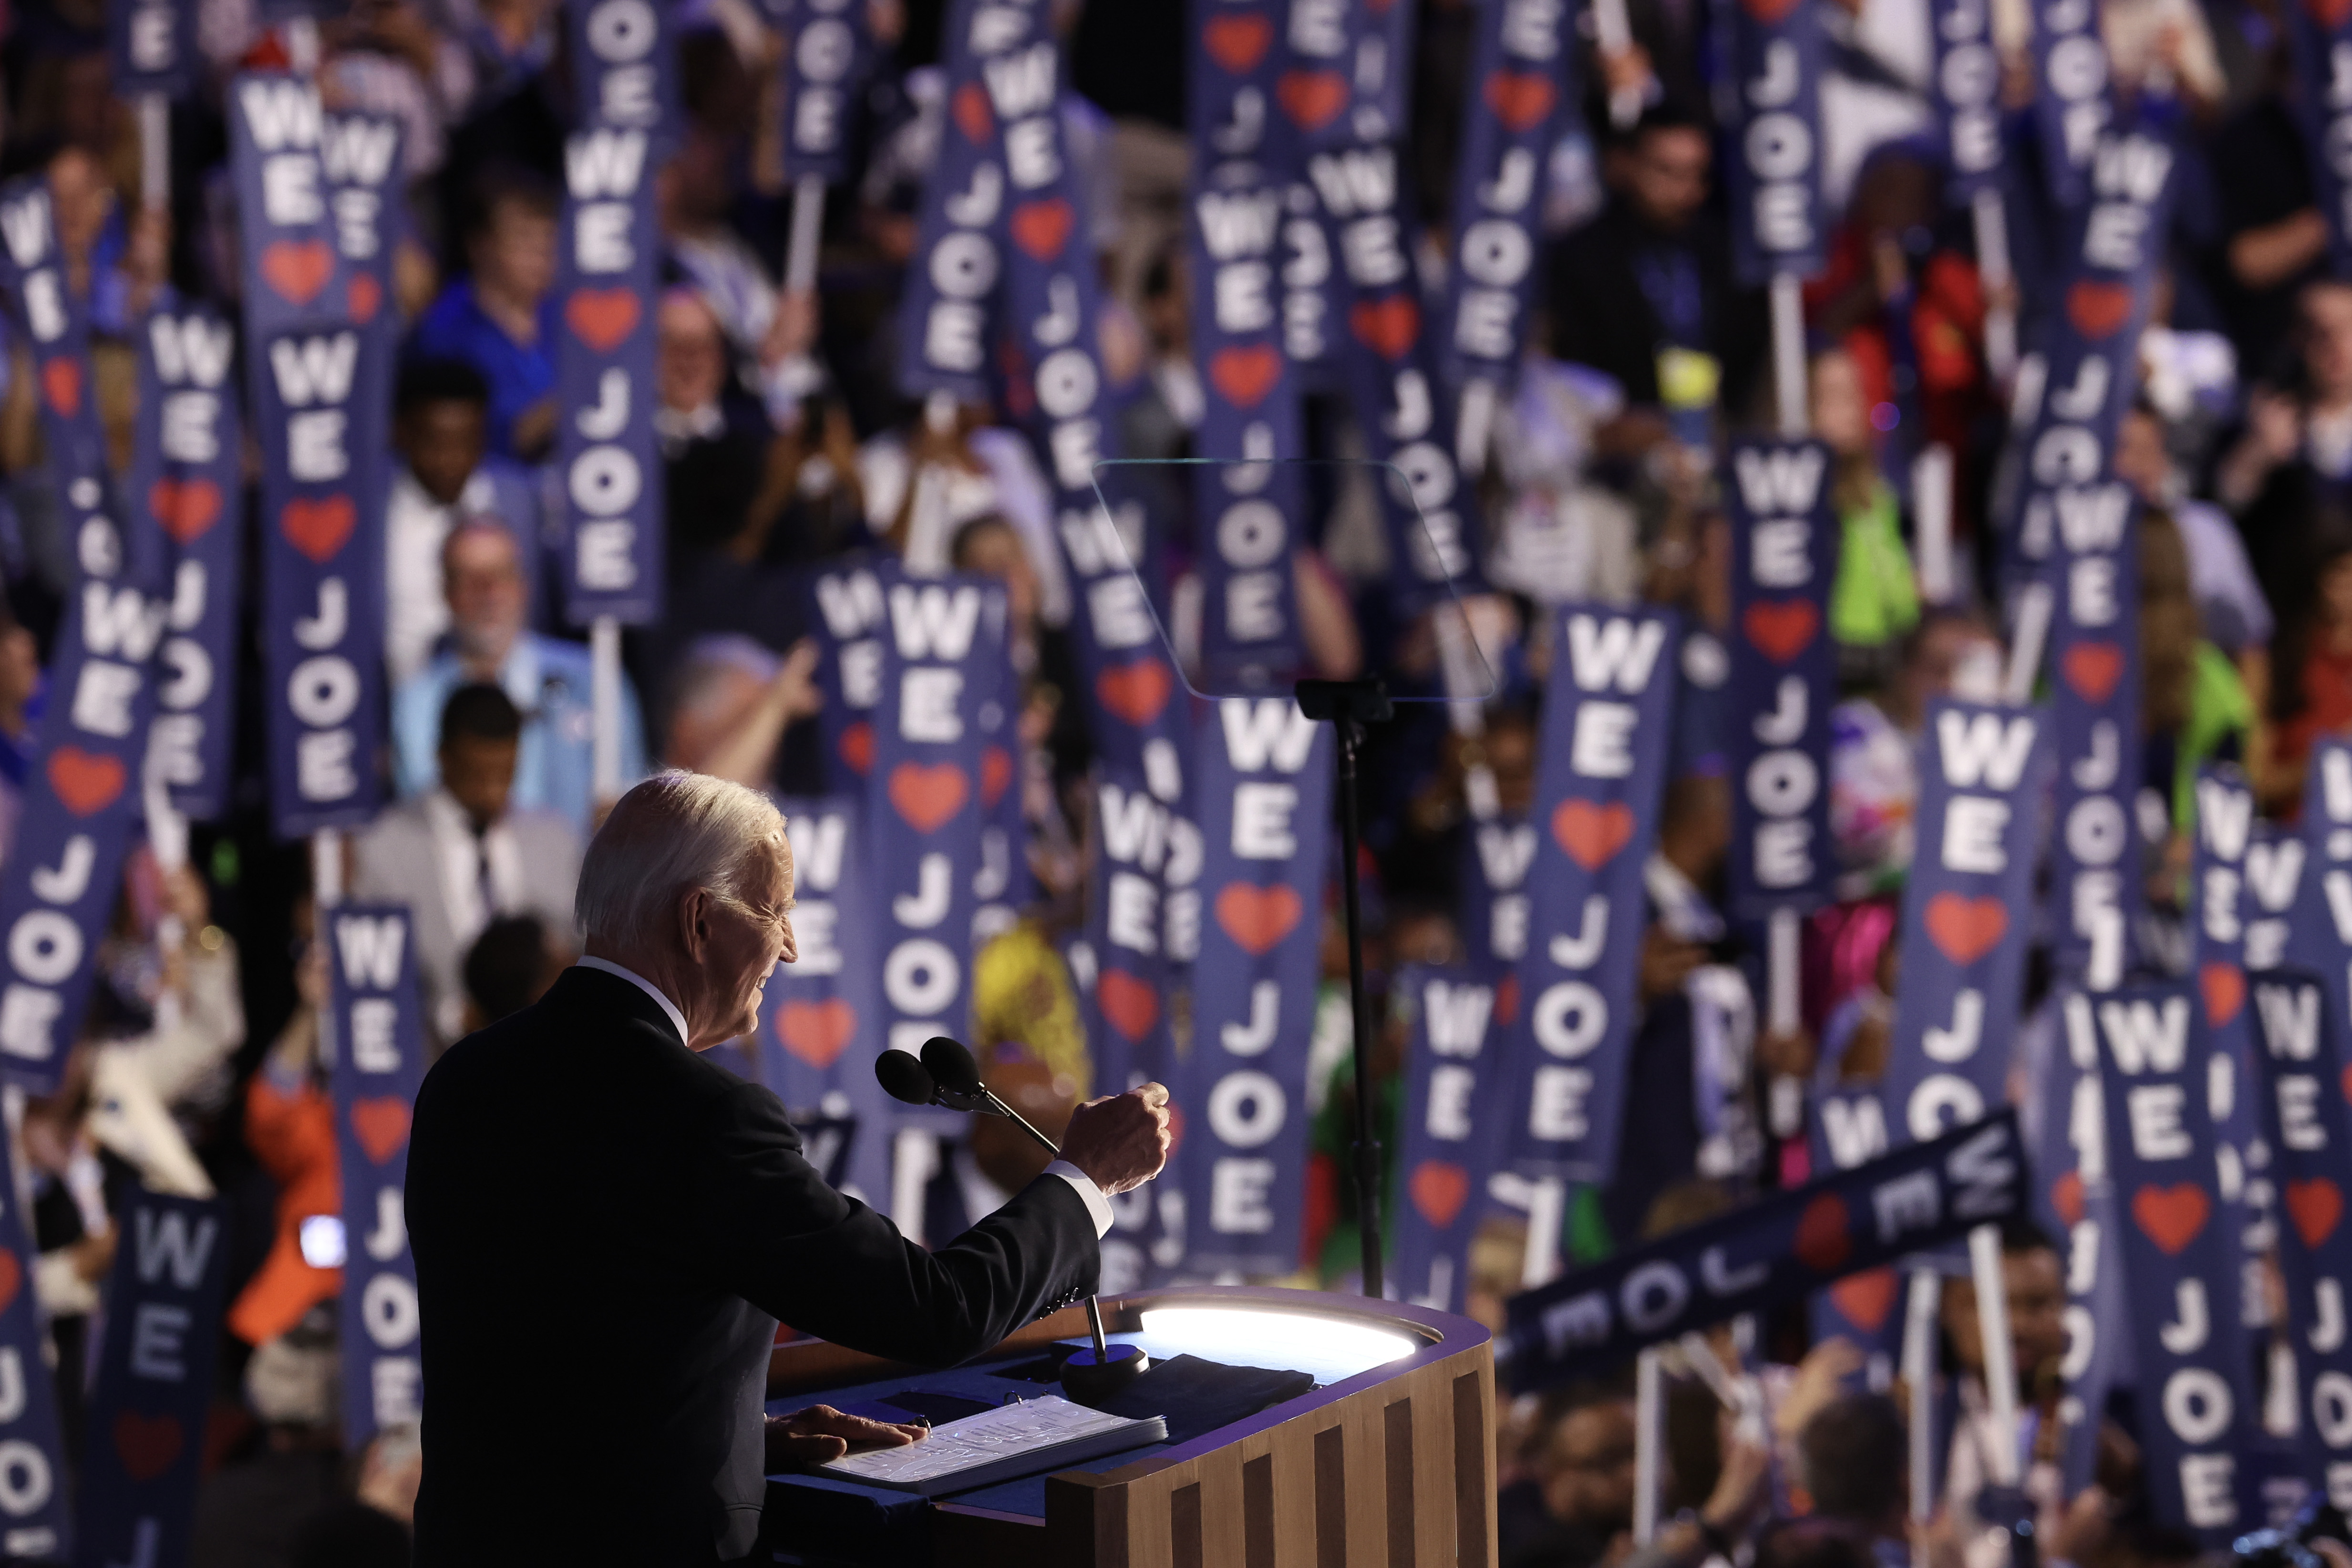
(290, 1125)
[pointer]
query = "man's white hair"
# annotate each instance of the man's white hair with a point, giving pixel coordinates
(671, 835)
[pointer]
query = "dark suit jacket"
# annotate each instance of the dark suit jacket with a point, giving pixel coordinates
(1602, 317)
(606, 1229)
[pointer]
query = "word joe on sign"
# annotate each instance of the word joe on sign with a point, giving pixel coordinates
(1968, 92)
(625, 82)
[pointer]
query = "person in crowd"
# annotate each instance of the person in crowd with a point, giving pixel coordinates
(730, 704)
(512, 963)
(500, 317)
(548, 679)
(2195, 709)
(2231, 609)
(1874, 600)
(2296, 452)
(1854, 1457)
(445, 475)
(289, 1126)
(466, 850)
(2033, 1286)
(1583, 1484)
(685, 900)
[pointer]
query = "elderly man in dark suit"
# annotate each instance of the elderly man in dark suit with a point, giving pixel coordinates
(607, 1227)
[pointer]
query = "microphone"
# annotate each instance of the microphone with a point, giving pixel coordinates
(946, 1075)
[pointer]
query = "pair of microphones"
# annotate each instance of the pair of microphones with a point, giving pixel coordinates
(945, 1075)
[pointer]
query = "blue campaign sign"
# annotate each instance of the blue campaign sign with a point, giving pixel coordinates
(624, 61)
(2221, 908)
(1520, 70)
(1495, 859)
(1964, 926)
(948, 316)
(1264, 771)
(1141, 846)
(1848, 1131)
(1443, 1153)
(33, 1512)
(2198, 1410)
(151, 1395)
(185, 484)
(1605, 743)
(2072, 102)
(379, 1062)
(1779, 1248)
(291, 264)
(1774, 76)
(847, 616)
(828, 50)
(2094, 717)
(1783, 680)
(1968, 96)
(151, 45)
(2321, 37)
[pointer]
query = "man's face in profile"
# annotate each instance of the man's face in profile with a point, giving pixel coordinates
(747, 939)
(479, 773)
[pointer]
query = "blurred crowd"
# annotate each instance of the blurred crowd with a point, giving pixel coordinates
(787, 444)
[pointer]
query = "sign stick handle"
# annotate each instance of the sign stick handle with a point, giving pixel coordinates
(1649, 1442)
(1999, 1358)
(808, 228)
(1547, 1206)
(1931, 506)
(604, 697)
(1789, 354)
(2033, 609)
(154, 151)
(1614, 33)
(1467, 685)
(1918, 1375)
(1993, 271)
(326, 869)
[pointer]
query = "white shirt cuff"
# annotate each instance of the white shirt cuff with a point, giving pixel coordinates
(1098, 1206)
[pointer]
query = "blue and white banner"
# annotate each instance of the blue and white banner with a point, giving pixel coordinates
(291, 265)
(152, 1389)
(1779, 1248)
(379, 1021)
(1495, 859)
(2222, 906)
(2321, 940)
(1848, 1131)
(2299, 1039)
(360, 156)
(822, 1027)
(828, 50)
(2095, 885)
(1003, 884)
(2073, 98)
(1967, 96)
(624, 61)
(1519, 71)
(848, 617)
(1245, 517)
(923, 797)
(1141, 843)
(33, 1509)
(151, 45)
(2181, 1264)
(1316, 45)
(607, 457)
(949, 314)
(1773, 81)
(1444, 1154)
(1964, 916)
(1607, 739)
(1265, 773)
(1784, 674)
(187, 486)
(2320, 39)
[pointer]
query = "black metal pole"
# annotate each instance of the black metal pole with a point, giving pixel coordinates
(1368, 1143)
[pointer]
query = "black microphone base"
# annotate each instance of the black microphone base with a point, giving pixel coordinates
(1089, 1382)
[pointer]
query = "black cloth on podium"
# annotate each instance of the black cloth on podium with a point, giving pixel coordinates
(1197, 1396)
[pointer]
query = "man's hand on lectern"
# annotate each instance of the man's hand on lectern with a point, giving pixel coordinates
(821, 1432)
(1121, 1140)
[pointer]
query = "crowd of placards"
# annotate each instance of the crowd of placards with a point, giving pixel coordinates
(1851, 501)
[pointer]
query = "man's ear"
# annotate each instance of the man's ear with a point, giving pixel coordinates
(694, 923)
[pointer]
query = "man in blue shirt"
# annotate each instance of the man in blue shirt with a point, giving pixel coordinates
(501, 317)
(547, 678)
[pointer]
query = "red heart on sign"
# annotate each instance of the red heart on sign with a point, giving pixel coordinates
(1256, 918)
(318, 527)
(298, 268)
(2171, 1217)
(1966, 929)
(857, 747)
(2224, 986)
(1520, 99)
(2098, 309)
(1866, 1299)
(1439, 1189)
(1245, 375)
(1137, 692)
(929, 797)
(1237, 43)
(2066, 1197)
(2330, 14)
(1042, 229)
(12, 1278)
(184, 509)
(83, 781)
(147, 1445)
(2093, 669)
(1783, 629)
(1388, 327)
(971, 116)
(362, 295)
(996, 773)
(600, 318)
(61, 385)
(1591, 834)
(382, 1124)
(1506, 999)
(1822, 1242)
(1772, 13)
(2348, 1083)
(1312, 99)
(816, 1032)
(2315, 1206)
(1130, 1004)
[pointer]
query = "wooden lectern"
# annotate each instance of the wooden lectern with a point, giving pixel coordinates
(1394, 1466)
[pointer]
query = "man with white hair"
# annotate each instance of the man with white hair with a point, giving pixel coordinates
(607, 1227)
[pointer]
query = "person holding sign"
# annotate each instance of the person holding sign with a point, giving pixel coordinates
(622, 1422)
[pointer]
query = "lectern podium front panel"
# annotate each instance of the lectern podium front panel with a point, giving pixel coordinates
(1389, 1459)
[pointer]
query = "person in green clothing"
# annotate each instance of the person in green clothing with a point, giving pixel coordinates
(2194, 705)
(1874, 599)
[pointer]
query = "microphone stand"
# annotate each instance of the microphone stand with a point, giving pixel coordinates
(1348, 706)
